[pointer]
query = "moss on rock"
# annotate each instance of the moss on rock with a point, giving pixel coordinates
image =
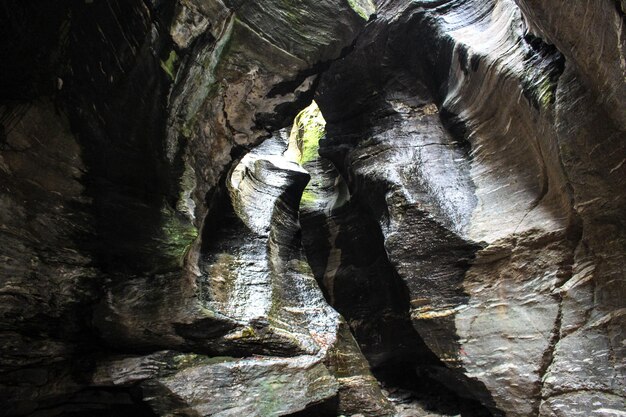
(363, 8)
(178, 234)
(169, 65)
(309, 127)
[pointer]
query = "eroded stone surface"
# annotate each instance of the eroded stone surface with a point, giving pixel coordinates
(119, 120)
(492, 227)
(465, 216)
(187, 384)
(255, 278)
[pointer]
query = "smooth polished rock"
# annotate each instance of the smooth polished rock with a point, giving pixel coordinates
(259, 296)
(591, 36)
(495, 233)
(119, 121)
(186, 384)
(466, 214)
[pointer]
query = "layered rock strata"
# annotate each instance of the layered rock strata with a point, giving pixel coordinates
(262, 297)
(160, 245)
(120, 119)
(468, 140)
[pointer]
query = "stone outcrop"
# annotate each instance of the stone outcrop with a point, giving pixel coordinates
(260, 298)
(450, 230)
(469, 142)
(120, 121)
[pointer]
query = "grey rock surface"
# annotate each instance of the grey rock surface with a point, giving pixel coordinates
(118, 119)
(492, 225)
(168, 246)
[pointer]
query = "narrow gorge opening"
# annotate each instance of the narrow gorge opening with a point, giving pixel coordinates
(286, 213)
(345, 249)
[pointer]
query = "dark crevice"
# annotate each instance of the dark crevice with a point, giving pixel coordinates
(574, 235)
(408, 383)
(374, 299)
(290, 86)
(548, 355)
(328, 408)
(99, 402)
(458, 129)
(285, 113)
(539, 87)
(375, 302)
(128, 176)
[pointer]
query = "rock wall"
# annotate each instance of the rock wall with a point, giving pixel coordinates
(168, 247)
(120, 120)
(471, 139)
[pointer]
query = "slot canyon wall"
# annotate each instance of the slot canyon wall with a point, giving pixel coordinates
(181, 234)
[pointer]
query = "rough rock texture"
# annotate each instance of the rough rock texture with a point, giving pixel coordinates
(165, 251)
(119, 121)
(496, 178)
(260, 298)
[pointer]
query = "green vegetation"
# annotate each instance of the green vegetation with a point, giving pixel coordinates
(248, 332)
(178, 234)
(170, 64)
(546, 92)
(308, 128)
(308, 197)
(302, 266)
(356, 6)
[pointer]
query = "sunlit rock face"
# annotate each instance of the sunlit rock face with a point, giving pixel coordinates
(169, 246)
(488, 150)
(260, 298)
(120, 120)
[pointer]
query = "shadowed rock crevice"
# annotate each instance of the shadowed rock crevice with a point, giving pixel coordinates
(503, 209)
(101, 402)
(255, 272)
(346, 250)
(327, 408)
(117, 109)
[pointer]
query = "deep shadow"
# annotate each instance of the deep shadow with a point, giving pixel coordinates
(408, 383)
(326, 408)
(101, 402)
(368, 292)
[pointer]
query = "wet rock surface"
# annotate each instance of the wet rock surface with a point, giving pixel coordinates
(118, 119)
(461, 153)
(450, 242)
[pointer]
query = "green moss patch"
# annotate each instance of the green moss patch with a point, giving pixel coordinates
(309, 127)
(169, 65)
(178, 234)
(361, 9)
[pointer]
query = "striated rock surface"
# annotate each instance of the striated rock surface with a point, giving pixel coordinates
(444, 235)
(259, 297)
(469, 144)
(119, 122)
